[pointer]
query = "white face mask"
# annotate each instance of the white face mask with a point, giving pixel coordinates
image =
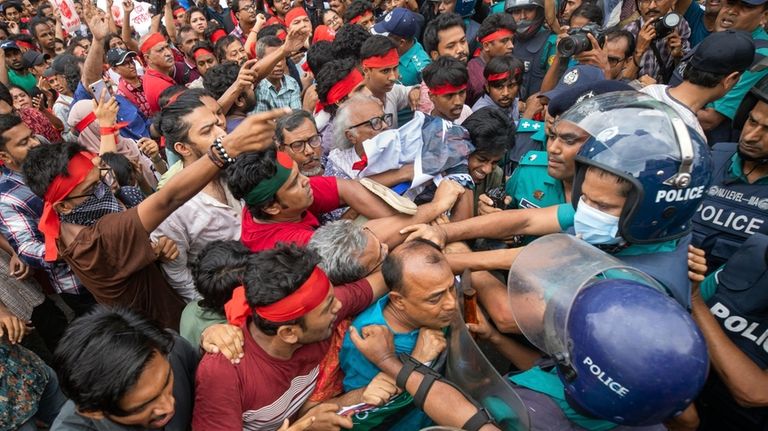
(595, 226)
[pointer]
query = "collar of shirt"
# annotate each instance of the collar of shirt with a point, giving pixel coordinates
(152, 73)
(736, 170)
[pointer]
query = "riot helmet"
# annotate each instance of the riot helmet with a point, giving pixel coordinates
(526, 29)
(647, 144)
(758, 93)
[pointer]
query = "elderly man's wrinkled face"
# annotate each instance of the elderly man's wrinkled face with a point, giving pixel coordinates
(366, 121)
(303, 144)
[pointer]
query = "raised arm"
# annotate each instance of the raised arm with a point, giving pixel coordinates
(125, 32)
(94, 61)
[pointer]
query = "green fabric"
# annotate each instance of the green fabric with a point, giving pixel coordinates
(548, 383)
(735, 170)
(708, 287)
(491, 181)
(728, 104)
(26, 81)
(195, 319)
(173, 170)
(267, 188)
(497, 7)
(412, 62)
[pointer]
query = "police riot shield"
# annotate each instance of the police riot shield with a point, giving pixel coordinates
(546, 277)
(469, 369)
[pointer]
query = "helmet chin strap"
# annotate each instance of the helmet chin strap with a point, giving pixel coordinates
(527, 29)
(759, 161)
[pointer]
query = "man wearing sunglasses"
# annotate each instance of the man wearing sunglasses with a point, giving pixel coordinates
(296, 134)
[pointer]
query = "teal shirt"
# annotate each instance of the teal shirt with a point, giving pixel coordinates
(736, 171)
(708, 287)
(549, 52)
(728, 104)
(531, 187)
(412, 62)
(26, 81)
(195, 319)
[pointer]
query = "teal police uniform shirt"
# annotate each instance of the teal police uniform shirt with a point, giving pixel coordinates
(728, 104)
(531, 187)
(412, 62)
(529, 136)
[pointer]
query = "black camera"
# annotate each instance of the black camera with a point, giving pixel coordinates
(577, 40)
(665, 25)
(156, 7)
(497, 195)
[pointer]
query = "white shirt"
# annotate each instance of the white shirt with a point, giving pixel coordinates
(396, 100)
(200, 221)
(661, 93)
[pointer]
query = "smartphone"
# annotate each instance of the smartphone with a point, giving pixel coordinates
(97, 87)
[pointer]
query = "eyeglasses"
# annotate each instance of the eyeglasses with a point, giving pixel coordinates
(613, 61)
(648, 2)
(376, 123)
(300, 146)
(105, 176)
(249, 8)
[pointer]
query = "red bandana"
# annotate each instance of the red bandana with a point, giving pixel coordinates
(390, 59)
(496, 35)
(366, 14)
(151, 41)
(341, 89)
(359, 166)
(447, 89)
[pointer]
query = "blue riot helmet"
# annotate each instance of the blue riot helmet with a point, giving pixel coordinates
(758, 93)
(636, 356)
(526, 29)
(646, 143)
(465, 8)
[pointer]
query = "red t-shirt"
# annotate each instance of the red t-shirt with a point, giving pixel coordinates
(261, 391)
(264, 236)
(154, 82)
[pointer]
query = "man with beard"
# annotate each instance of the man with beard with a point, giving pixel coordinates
(445, 36)
(12, 67)
(496, 37)
(702, 22)
(186, 71)
(246, 13)
(530, 40)
(296, 134)
(160, 68)
(735, 206)
(188, 126)
(220, 79)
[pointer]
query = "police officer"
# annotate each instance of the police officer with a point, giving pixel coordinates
(530, 40)
(731, 308)
(736, 205)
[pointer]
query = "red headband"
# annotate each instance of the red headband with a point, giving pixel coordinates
(25, 44)
(303, 300)
(150, 42)
(447, 89)
(281, 35)
(323, 32)
(389, 59)
(217, 34)
(341, 89)
(200, 52)
(78, 168)
(504, 75)
(85, 122)
(179, 10)
(293, 14)
(496, 35)
(366, 14)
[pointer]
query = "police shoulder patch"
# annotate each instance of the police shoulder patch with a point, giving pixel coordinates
(534, 158)
(529, 126)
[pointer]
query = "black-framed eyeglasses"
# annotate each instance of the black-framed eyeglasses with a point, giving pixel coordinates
(250, 7)
(105, 176)
(613, 61)
(376, 123)
(300, 146)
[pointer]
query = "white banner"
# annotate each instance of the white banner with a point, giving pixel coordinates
(69, 19)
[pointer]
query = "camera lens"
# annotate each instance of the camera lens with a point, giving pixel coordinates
(566, 47)
(671, 20)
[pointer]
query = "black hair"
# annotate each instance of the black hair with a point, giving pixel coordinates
(45, 162)
(319, 54)
(273, 274)
(376, 45)
(7, 122)
(218, 270)
(43, 6)
(357, 8)
(235, 6)
(102, 355)
(616, 33)
(330, 74)
(121, 167)
(270, 30)
(702, 78)
(489, 130)
(349, 39)
(220, 78)
(16, 87)
(170, 93)
(496, 22)
(505, 63)
(74, 41)
(23, 37)
(109, 38)
(442, 22)
(590, 11)
(445, 70)
(265, 42)
(290, 122)
(192, 9)
(247, 172)
(183, 29)
(392, 268)
(170, 122)
(5, 95)
(71, 68)
(12, 4)
(34, 22)
(222, 45)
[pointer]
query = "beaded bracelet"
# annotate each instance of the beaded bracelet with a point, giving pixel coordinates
(222, 152)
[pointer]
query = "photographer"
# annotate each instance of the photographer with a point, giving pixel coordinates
(662, 40)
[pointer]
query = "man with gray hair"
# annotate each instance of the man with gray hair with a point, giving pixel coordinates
(358, 119)
(350, 251)
(278, 90)
(296, 134)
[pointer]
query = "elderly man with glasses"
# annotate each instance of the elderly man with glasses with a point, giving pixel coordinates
(296, 134)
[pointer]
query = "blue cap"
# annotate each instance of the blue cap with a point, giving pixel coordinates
(573, 76)
(582, 91)
(9, 44)
(400, 22)
(754, 2)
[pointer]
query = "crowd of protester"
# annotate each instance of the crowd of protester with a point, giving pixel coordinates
(255, 214)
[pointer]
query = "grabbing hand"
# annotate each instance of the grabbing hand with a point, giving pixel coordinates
(225, 339)
(18, 269)
(430, 233)
(302, 424)
(697, 264)
(149, 147)
(165, 249)
(675, 44)
(645, 37)
(12, 327)
(378, 345)
(326, 418)
(429, 345)
(447, 193)
(380, 390)
(105, 109)
(482, 329)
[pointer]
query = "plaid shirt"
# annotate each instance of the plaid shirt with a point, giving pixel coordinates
(20, 211)
(267, 97)
(648, 64)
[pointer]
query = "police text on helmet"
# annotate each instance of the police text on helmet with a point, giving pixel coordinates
(677, 195)
(607, 381)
